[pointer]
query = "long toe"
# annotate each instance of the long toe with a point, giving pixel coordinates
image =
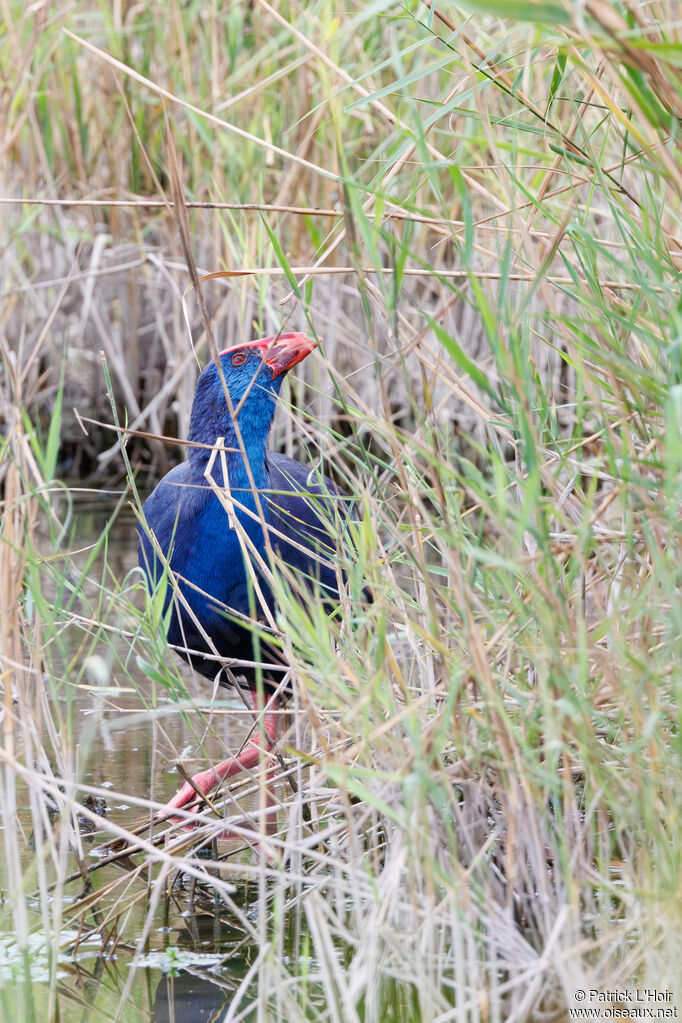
(205, 781)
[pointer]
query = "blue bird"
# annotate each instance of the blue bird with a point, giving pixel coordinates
(219, 522)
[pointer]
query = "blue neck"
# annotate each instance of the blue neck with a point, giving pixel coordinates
(211, 419)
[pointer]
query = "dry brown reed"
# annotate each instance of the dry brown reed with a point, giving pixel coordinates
(477, 789)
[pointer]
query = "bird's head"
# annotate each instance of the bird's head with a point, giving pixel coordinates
(258, 366)
(253, 372)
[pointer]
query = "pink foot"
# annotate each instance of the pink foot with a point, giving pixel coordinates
(205, 781)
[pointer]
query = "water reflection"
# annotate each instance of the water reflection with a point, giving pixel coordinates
(194, 993)
(189, 999)
(128, 731)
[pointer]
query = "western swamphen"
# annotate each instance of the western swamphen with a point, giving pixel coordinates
(215, 538)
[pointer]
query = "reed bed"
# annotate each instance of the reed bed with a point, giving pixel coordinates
(479, 216)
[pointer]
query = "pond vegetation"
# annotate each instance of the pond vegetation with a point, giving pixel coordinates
(476, 211)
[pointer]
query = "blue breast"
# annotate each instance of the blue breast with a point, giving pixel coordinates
(193, 530)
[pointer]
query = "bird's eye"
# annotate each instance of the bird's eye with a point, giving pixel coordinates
(239, 358)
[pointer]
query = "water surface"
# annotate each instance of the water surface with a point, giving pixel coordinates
(125, 734)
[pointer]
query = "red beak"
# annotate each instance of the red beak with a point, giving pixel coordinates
(280, 352)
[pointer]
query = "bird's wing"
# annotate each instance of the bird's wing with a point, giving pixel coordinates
(177, 498)
(308, 512)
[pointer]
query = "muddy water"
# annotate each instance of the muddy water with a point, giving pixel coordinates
(126, 735)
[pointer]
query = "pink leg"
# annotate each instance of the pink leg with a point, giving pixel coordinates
(248, 759)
